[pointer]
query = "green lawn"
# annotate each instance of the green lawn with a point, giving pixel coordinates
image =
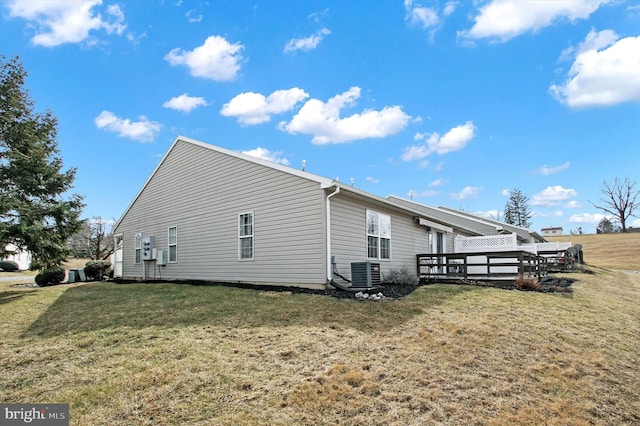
(142, 354)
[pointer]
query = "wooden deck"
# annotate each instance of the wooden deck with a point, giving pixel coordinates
(481, 266)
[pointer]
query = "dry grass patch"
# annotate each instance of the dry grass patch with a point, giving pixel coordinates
(179, 354)
(613, 251)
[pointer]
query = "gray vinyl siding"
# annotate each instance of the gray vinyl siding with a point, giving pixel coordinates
(349, 237)
(202, 191)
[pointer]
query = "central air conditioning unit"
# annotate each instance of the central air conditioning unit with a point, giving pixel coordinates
(365, 274)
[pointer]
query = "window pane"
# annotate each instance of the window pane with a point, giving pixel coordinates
(372, 223)
(246, 224)
(385, 226)
(173, 235)
(385, 248)
(173, 253)
(246, 248)
(138, 255)
(372, 247)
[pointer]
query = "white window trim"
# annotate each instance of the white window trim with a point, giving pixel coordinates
(137, 249)
(169, 245)
(378, 236)
(252, 236)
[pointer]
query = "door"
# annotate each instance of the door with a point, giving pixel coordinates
(118, 253)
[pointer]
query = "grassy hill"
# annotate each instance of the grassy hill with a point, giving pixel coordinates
(447, 354)
(613, 251)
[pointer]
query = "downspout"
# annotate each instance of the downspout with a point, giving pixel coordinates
(328, 227)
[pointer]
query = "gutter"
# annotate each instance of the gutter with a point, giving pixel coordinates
(328, 228)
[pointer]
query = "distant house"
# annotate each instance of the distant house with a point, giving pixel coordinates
(551, 232)
(22, 258)
(208, 213)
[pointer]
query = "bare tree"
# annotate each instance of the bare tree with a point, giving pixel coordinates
(619, 200)
(93, 240)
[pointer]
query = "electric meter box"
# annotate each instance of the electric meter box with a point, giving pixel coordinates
(147, 247)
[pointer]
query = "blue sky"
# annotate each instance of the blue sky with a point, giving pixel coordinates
(451, 103)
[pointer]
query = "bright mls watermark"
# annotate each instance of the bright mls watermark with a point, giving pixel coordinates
(34, 414)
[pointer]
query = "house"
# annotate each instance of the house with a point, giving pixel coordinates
(21, 257)
(487, 248)
(551, 232)
(523, 235)
(209, 213)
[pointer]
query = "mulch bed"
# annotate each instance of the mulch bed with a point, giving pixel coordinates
(389, 291)
(397, 291)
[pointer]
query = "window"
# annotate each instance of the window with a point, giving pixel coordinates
(378, 235)
(173, 244)
(138, 248)
(245, 236)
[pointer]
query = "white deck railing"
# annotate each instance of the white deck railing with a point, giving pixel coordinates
(498, 243)
(487, 243)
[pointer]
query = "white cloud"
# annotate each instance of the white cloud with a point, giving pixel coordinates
(423, 194)
(265, 154)
(505, 19)
(557, 213)
(322, 120)
(505, 192)
(307, 43)
(185, 103)
(419, 15)
(192, 18)
(606, 71)
(371, 179)
(587, 218)
(216, 59)
(573, 204)
(467, 192)
(550, 170)
(454, 140)
(437, 182)
(552, 196)
(62, 21)
(254, 108)
(490, 214)
(142, 130)
(449, 8)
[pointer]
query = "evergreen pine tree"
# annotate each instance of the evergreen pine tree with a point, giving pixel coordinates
(516, 211)
(36, 212)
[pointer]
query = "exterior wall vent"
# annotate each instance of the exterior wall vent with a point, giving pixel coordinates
(365, 274)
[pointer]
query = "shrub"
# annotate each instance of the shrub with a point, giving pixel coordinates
(50, 277)
(527, 283)
(97, 270)
(9, 266)
(401, 276)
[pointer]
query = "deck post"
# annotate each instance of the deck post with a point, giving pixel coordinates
(521, 259)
